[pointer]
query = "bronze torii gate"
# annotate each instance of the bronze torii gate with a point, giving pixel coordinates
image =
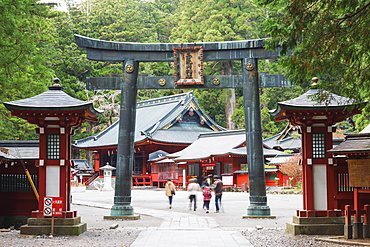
(188, 60)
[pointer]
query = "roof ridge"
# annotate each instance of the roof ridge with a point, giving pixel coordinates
(222, 133)
(164, 100)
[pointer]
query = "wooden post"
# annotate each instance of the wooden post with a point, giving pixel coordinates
(357, 224)
(366, 233)
(347, 222)
(52, 226)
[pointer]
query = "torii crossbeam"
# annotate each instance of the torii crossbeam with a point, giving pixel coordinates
(188, 61)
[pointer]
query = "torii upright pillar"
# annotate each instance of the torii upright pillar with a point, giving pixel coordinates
(258, 200)
(122, 197)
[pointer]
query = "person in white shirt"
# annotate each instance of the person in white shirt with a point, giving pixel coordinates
(193, 189)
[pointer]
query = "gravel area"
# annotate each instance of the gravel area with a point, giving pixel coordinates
(92, 237)
(280, 238)
(98, 233)
(122, 237)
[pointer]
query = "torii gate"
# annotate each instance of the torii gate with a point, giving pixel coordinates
(188, 63)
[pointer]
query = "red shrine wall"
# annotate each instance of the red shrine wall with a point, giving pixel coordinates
(17, 197)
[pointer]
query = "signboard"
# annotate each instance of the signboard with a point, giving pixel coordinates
(359, 172)
(227, 180)
(188, 64)
(53, 206)
(208, 164)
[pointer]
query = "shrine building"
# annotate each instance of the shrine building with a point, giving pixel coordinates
(322, 196)
(56, 114)
(351, 158)
(168, 124)
(225, 154)
(18, 198)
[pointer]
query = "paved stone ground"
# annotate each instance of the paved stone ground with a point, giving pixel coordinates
(160, 226)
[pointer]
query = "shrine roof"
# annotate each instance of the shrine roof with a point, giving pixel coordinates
(306, 102)
(157, 155)
(17, 150)
(157, 120)
(288, 142)
(243, 151)
(354, 143)
(280, 159)
(53, 99)
(215, 144)
(211, 144)
(185, 132)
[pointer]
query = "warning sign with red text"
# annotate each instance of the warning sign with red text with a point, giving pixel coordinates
(53, 206)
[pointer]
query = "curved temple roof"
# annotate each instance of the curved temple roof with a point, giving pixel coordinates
(53, 99)
(217, 143)
(158, 120)
(306, 101)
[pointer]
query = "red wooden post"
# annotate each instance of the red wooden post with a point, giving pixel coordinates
(357, 224)
(356, 205)
(347, 222)
(366, 233)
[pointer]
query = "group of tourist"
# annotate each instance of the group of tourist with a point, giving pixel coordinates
(194, 188)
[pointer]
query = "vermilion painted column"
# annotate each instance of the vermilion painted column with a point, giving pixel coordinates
(330, 173)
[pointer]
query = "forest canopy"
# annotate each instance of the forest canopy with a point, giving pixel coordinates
(37, 45)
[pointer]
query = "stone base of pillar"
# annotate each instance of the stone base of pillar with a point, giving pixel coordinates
(122, 212)
(348, 231)
(366, 233)
(122, 217)
(258, 212)
(357, 230)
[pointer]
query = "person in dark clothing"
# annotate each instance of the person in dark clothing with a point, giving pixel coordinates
(217, 188)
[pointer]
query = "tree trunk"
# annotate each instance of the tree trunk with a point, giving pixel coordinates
(230, 99)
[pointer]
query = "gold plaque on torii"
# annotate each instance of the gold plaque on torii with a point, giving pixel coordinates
(359, 172)
(188, 63)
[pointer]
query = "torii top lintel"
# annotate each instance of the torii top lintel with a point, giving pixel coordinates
(101, 50)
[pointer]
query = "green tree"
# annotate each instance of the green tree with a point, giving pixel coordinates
(25, 37)
(327, 39)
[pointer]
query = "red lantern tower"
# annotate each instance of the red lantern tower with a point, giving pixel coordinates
(316, 122)
(56, 114)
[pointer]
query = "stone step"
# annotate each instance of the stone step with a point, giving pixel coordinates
(315, 229)
(57, 221)
(318, 220)
(58, 229)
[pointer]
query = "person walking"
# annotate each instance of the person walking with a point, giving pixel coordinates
(206, 180)
(170, 191)
(217, 188)
(193, 189)
(207, 195)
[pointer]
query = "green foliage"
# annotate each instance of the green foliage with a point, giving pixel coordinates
(217, 20)
(25, 36)
(329, 40)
